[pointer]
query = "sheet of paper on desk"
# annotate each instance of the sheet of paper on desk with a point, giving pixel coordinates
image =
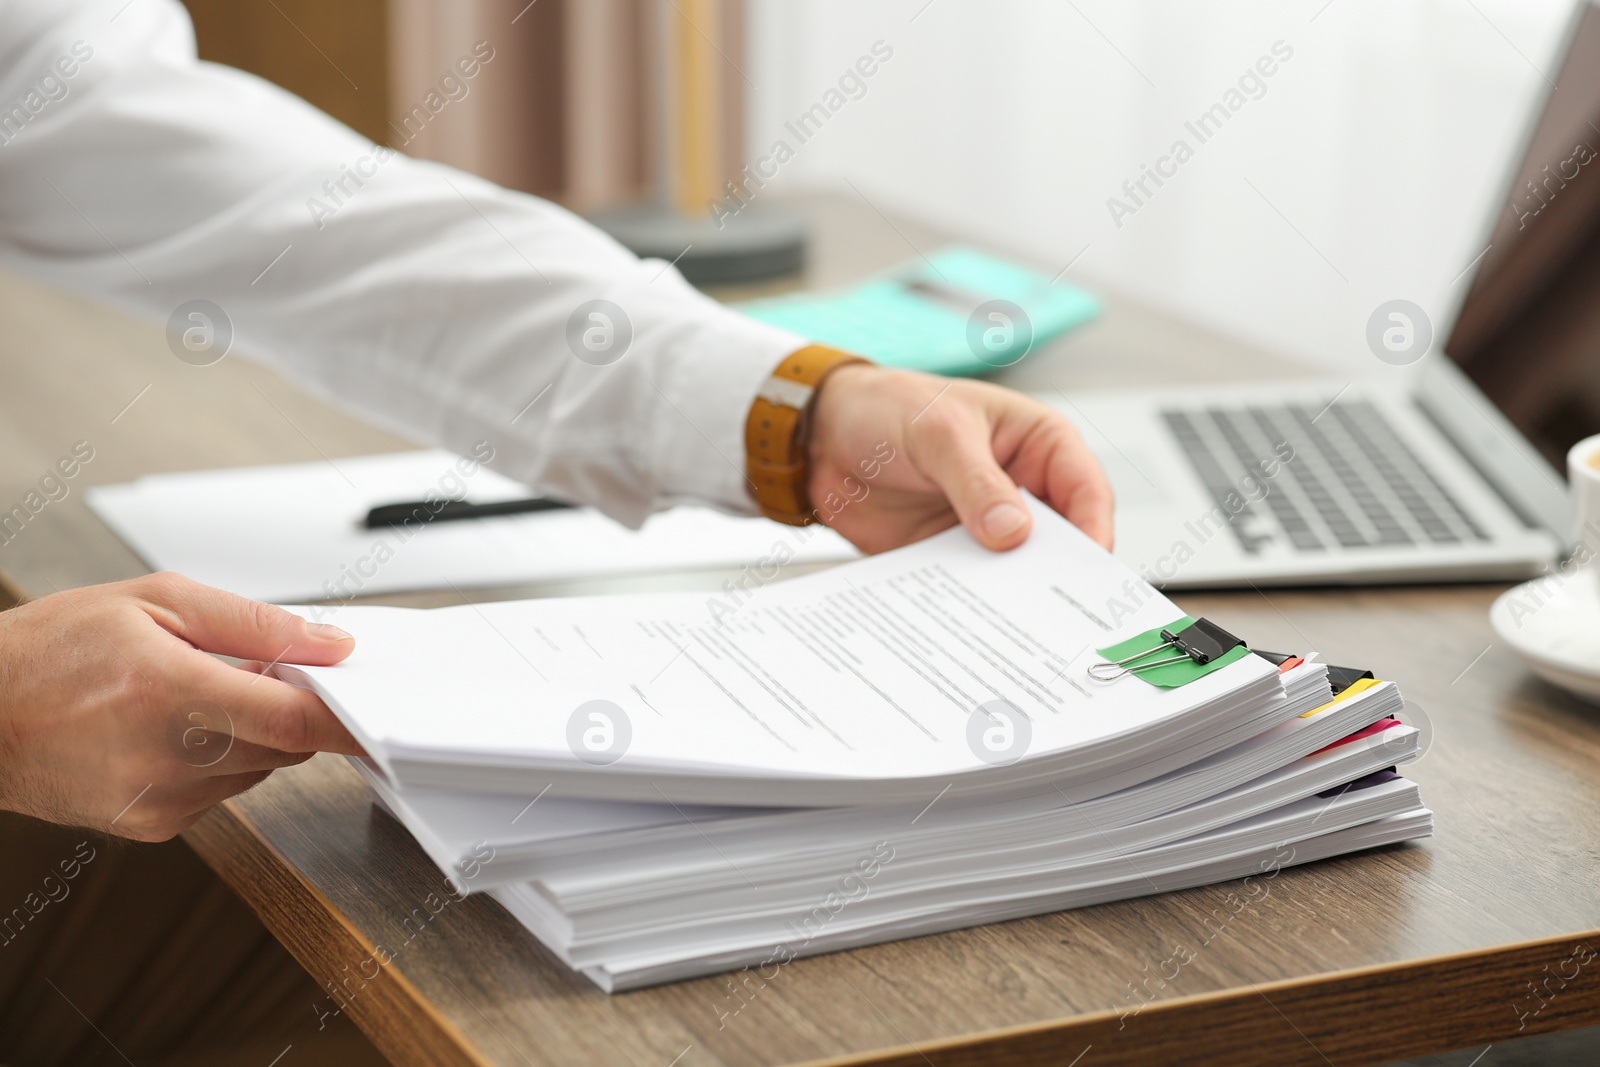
(293, 533)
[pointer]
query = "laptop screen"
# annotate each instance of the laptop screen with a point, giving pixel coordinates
(1528, 331)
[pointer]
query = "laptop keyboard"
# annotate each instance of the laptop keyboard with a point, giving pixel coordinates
(1351, 482)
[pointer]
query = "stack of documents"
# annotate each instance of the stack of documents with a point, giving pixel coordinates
(672, 785)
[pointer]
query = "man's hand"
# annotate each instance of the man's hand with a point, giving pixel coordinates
(114, 715)
(960, 448)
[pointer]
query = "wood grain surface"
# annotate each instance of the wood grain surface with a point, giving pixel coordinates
(1401, 951)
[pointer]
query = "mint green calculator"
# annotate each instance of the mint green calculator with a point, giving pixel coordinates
(960, 312)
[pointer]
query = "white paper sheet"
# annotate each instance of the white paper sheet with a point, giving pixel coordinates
(293, 532)
(873, 672)
(595, 848)
(1298, 833)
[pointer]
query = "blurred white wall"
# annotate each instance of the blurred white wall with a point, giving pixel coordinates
(1381, 140)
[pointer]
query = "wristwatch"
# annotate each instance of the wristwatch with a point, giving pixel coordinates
(775, 432)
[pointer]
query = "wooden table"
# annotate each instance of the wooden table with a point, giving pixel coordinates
(1392, 953)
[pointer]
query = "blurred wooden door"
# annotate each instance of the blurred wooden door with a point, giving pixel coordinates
(332, 54)
(566, 105)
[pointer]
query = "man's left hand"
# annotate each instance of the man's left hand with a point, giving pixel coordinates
(896, 456)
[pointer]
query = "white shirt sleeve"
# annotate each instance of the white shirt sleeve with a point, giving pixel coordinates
(430, 301)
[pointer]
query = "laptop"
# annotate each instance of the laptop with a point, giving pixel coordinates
(1311, 482)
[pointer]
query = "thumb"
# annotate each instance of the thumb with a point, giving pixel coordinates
(229, 625)
(958, 456)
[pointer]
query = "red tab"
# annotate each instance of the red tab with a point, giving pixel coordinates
(1376, 728)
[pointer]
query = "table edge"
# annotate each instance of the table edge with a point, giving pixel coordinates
(390, 1010)
(1449, 997)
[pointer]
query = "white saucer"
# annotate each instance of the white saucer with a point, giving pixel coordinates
(1554, 625)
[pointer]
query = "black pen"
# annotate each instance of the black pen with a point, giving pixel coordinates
(420, 511)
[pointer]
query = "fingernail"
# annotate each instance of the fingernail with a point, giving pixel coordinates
(1003, 520)
(327, 632)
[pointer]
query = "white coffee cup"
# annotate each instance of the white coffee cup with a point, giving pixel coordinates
(1583, 474)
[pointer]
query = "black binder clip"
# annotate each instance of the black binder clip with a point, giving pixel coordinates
(1201, 642)
(1340, 678)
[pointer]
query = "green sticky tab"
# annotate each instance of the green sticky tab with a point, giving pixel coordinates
(1168, 675)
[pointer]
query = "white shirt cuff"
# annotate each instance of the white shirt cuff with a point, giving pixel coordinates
(705, 383)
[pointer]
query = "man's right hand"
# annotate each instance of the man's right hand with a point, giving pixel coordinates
(114, 714)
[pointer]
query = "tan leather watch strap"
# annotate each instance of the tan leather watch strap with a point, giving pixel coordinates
(775, 432)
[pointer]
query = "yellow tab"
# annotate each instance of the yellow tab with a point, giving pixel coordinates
(1360, 685)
